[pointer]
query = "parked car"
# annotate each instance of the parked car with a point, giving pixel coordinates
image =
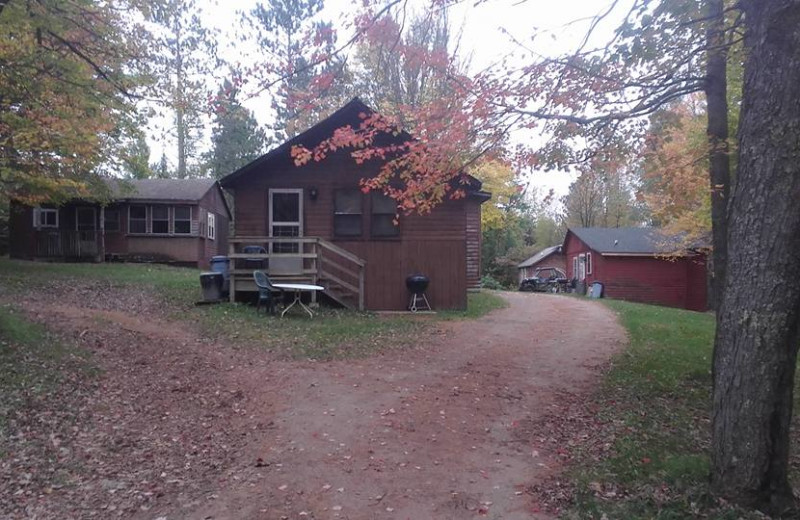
(545, 279)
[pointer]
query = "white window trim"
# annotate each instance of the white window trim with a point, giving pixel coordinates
(575, 267)
(212, 226)
(138, 219)
(37, 219)
(589, 263)
(582, 267)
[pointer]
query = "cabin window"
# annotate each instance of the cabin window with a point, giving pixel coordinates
(111, 220)
(212, 226)
(384, 213)
(160, 219)
(588, 263)
(137, 219)
(45, 217)
(347, 213)
(575, 267)
(182, 220)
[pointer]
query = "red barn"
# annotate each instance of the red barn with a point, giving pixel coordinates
(638, 264)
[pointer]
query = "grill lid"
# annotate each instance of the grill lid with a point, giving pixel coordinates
(417, 283)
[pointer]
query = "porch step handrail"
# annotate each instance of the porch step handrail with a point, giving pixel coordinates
(342, 275)
(342, 252)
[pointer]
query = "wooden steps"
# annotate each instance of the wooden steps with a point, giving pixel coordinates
(315, 261)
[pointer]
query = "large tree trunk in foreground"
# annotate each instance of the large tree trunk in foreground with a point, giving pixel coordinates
(719, 163)
(758, 324)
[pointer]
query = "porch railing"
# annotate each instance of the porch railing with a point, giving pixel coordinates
(310, 259)
(66, 244)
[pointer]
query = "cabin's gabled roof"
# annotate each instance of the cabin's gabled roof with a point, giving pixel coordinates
(351, 114)
(538, 257)
(643, 241)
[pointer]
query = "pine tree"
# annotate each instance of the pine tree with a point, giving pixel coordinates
(185, 57)
(135, 156)
(306, 91)
(236, 138)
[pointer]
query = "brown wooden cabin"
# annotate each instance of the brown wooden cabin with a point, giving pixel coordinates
(179, 221)
(316, 225)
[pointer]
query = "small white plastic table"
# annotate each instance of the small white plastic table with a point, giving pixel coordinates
(298, 289)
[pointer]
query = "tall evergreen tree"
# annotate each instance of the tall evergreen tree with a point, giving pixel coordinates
(135, 156)
(161, 169)
(185, 57)
(286, 29)
(236, 137)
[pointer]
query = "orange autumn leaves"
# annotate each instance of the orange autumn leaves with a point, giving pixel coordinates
(675, 178)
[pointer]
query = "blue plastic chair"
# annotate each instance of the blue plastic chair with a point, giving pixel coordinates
(266, 291)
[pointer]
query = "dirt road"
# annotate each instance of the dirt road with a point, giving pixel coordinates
(446, 430)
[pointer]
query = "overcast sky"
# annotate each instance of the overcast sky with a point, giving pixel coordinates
(487, 38)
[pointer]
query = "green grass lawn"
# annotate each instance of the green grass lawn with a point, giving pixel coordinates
(175, 284)
(655, 405)
(332, 334)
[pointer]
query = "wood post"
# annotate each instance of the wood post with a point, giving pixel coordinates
(231, 276)
(102, 253)
(361, 287)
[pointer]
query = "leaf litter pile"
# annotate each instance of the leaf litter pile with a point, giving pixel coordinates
(104, 438)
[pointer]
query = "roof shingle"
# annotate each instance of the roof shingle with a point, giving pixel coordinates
(538, 257)
(630, 240)
(161, 189)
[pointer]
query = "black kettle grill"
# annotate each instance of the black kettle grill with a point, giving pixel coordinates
(416, 284)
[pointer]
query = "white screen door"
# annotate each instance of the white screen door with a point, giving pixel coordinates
(286, 218)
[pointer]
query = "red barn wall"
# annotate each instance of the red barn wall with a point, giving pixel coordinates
(678, 282)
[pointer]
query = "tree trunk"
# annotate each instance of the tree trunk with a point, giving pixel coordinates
(758, 324)
(180, 104)
(719, 164)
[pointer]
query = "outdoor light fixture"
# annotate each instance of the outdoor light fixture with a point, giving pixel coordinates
(312, 193)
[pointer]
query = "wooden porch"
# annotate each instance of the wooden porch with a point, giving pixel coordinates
(67, 244)
(298, 259)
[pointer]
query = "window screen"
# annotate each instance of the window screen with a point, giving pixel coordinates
(384, 213)
(160, 219)
(137, 219)
(347, 213)
(182, 220)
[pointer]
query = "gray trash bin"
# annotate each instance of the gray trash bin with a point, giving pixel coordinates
(597, 290)
(221, 264)
(211, 283)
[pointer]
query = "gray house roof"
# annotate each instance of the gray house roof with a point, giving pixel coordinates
(161, 189)
(631, 240)
(538, 257)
